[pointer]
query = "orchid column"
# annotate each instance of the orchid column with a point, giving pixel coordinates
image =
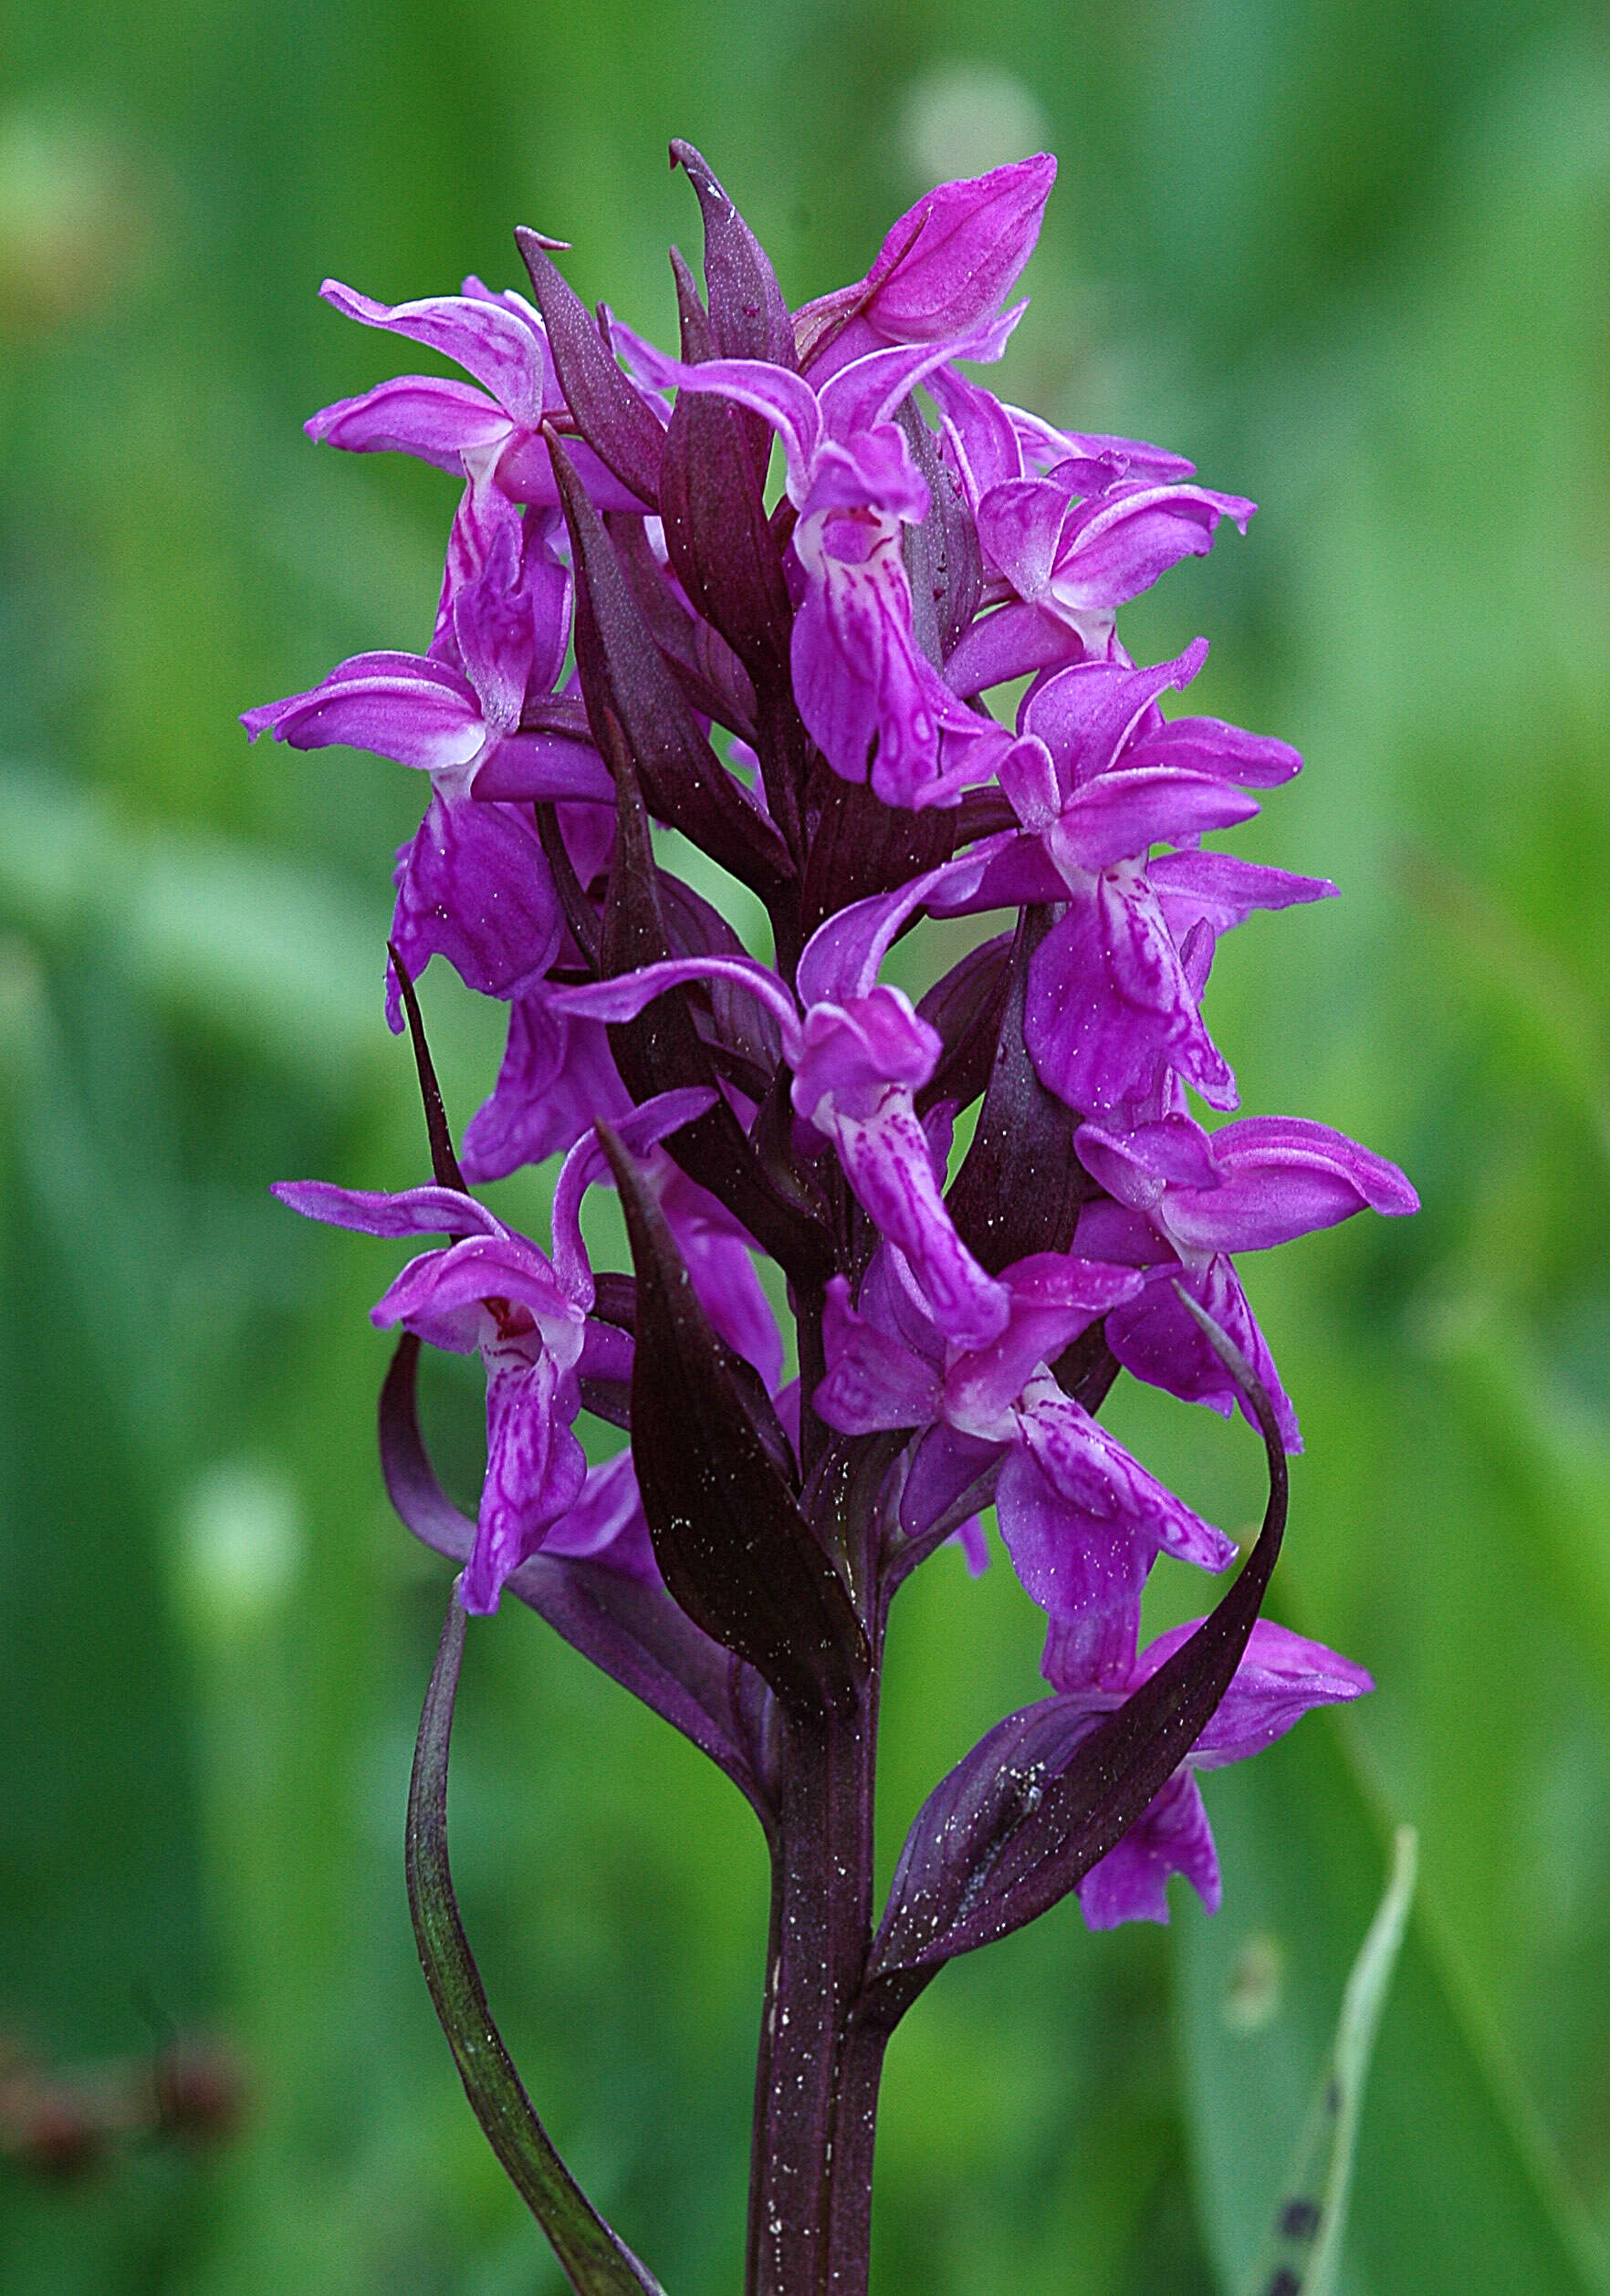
(634, 636)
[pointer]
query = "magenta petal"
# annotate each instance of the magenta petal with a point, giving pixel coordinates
(377, 1212)
(1156, 1338)
(1281, 1177)
(718, 1257)
(868, 698)
(605, 1523)
(543, 767)
(943, 1467)
(1097, 1477)
(842, 957)
(1109, 1000)
(1055, 1297)
(855, 1051)
(950, 260)
(435, 1292)
(1020, 527)
(1086, 1575)
(1130, 1884)
(1281, 1677)
(1121, 815)
(606, 1351)
(1207, 744)
(535, 1470)
(641, 1129)
(1137, 1164)
(1009, 643)
(886, 1162)
(1260, 1205)
(473, 887)
(493, 626)
(625, 996)
(863, 394)
(557, 1077)
(873, 1380)
(1016, 871)
(980, 434)
(1223, 891)
(503, 348)
(1048, 448)
(1085, 713)
(1029, 781)
(873, 471)
(1258, 1140)
(525, 473)
(973, 1542)
(782, 399)
(437, 420)
(400, 706)
(1118, 544)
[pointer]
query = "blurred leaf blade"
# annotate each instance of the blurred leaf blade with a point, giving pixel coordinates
(1305, 2244)
(1454, 2191)
(268, 947)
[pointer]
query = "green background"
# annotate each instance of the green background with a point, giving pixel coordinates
(1350, 255)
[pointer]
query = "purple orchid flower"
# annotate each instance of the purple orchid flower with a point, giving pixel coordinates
(1079, 560)
(493, 1291)
(858, 1057)
(1096, 777)
(871, 700)
(1082, 1520)
(1280, 1678)
(947, 265)
(455, 712)
(1260, 1181)
(1111, 994)
(500, 339)
(990, 443)
(1071, 527)
(1182, 1200)
(557, 1077)
(472, 885)
(606, 1524)
(1091, 461)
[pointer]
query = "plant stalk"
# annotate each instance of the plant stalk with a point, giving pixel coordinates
(820, 1934)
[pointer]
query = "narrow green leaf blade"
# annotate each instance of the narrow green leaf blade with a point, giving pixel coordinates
(1453, 2192)
(1304, 2251)
(595, 2262)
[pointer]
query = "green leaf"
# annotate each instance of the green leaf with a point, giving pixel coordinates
(1453, 2191)
(595, 2262)
(1303, 2252)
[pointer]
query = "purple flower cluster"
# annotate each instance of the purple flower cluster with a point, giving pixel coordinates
(636, 632)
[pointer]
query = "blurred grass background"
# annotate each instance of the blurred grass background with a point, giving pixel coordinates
(1349, 255)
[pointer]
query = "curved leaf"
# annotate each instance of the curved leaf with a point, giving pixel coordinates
(595, 2262)
(1044, 1797)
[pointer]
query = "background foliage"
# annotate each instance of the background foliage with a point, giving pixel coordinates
(1350, 255)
